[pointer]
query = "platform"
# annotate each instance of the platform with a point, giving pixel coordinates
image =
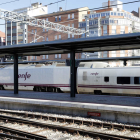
(83, 98)
(115, 108)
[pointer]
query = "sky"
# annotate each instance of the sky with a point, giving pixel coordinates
(67, 4)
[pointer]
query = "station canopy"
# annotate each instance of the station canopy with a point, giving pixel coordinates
(91, 44)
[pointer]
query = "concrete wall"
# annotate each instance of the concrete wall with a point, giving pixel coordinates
(120, 116)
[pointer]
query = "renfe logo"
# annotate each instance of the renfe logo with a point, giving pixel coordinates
(94, 73)
(26, 75)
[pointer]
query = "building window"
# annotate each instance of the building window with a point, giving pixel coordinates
(35, 30)
(68, 35)
(123, 80)
(59, 55)
(122, 32)
(47, 57)
(56, 37)
(72, 36)
(72, 16)
(47, 39)
(113, 31)
(43, 57)
(68, 55)
(55, 18)
(105, 32)
(14, 42)
(35, 57)
(73, 25)
(106, 79)
(47, 30)
(32, 57)
(68, 16)
(69, 25)
(55, 55)
(46, 19)
(32, 31)
(59, 36)
(83, 35)
(35, 40)
(59, 18)
(43, 38)
(43, 30)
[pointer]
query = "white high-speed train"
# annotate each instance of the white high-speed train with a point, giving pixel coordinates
(92, 77)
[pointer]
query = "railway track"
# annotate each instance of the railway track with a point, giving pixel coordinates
(67, 129)
(6, 132)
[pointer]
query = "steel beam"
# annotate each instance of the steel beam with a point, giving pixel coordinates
(15, 73)
(25, 19)
(72, 74)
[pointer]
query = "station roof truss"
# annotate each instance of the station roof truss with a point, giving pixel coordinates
(91, 44)
(19, 17)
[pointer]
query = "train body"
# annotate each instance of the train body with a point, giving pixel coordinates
(91, 78)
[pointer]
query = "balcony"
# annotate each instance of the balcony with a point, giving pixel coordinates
(20, 30)
(20, 37)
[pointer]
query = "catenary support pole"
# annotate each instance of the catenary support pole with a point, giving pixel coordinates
(72, 74)
(15, 73)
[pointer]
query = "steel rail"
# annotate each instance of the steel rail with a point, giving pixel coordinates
(76, 121)
(69, 129)
(22, 134)
(2, 135)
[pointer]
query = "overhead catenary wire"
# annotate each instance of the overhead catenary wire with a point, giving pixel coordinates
(99, 8)
(77, 8)
(9, 2)
(55, 2)
(45, 5)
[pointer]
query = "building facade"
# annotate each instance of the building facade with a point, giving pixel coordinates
(19, 33)
(112, 20)
(69, 18)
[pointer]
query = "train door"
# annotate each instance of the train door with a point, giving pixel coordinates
(97, 83)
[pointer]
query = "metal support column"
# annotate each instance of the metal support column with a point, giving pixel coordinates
(6, 32)
(15, 73)
(72, 74)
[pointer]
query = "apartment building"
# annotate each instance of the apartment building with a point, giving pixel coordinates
(111, 20)
(69, 18)
(17, 33)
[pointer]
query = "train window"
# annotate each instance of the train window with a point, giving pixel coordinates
(84, 75)
(106, 79)
(136, 80)
(81, 65)
(123, 80)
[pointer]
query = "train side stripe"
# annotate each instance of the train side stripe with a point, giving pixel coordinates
(80, 86)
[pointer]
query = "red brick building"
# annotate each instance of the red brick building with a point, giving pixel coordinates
(69, 18)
